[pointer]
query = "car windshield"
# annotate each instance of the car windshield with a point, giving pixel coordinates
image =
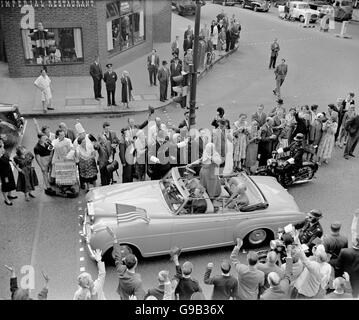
(173, 190)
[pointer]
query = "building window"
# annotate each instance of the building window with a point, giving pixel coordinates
(125, 24)
(53, 46)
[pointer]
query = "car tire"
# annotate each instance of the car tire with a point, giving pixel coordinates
(258, 238)
(301, 19)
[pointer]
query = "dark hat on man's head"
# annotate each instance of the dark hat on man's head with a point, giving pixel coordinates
(225, 266)
(316, 213)
(109, 65)
(280, 101)
(331, 106)
(106, 124)
(299, 137)
(130, 260)
(335, 226)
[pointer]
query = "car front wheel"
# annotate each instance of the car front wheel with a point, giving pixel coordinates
(301, 18)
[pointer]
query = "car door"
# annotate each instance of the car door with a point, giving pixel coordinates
(198, 231)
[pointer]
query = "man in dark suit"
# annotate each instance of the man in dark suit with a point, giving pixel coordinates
(175, 70)
(187, 44)
(185, 122)
(333, 244)
(96, 74)
(110, 79)
(163, 77)
(113, 139)
(225, 285)
(352, 126)
(260, 116)
(130, 282)
(68, 132)
(153, 63)
(348, 261)
(280, 74)
(274, 48)
(159, 163)
(265, 145)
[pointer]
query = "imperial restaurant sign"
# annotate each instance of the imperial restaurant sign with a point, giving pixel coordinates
(47, 3)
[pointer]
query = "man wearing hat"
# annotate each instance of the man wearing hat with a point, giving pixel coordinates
(296, 151)
(175, 69)
(163, 77)
(310, 228)
(110, 78)
(225, 285)
(278, 107)
(96, 74)
(280, 74)
(333, 243)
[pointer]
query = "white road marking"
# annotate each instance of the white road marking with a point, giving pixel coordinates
(82, 259)
(81, 249)
(80, 209)
(82, 269)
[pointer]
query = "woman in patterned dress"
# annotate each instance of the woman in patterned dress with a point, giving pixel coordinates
(327, 142)
(252, 146)
(241, 140)
(27, 178)
(87, 162)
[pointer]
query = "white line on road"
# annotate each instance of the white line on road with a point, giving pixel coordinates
(80, 209)
(82, 259)
(82, 269)
(81, 249)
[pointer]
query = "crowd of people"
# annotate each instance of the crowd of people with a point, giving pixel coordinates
(152, 148)
(316, 266)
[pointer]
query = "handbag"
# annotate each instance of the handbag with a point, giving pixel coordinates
(112, 166)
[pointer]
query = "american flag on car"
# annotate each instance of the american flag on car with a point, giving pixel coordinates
(126, 213)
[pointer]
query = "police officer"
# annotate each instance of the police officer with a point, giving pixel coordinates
(296, 151)
(310, 228)
(110, 78)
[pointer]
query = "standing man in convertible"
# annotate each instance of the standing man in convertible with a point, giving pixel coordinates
(296, 151)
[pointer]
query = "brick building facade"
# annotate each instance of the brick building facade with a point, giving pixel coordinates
(75, 32)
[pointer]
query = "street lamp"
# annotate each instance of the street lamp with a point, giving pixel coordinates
(193, 68)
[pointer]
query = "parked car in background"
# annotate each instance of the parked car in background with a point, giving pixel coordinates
(299, 9)
(343, 10)
(279, 3)
(256, 5)
(227, 2)
(185, 7)
(150, 217)
(11, 124)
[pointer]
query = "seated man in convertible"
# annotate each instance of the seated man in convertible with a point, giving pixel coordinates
(238, 197)
(199, 201)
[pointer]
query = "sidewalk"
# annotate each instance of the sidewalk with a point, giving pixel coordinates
(74, 95)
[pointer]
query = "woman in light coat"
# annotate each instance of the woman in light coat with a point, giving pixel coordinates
(327, 142)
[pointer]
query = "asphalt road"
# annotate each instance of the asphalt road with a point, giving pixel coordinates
(44, 231)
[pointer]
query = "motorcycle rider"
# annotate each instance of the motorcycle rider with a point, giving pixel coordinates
(310, 229)
(296, 151)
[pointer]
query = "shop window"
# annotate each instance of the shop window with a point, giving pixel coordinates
(53, 46)
(125, 24)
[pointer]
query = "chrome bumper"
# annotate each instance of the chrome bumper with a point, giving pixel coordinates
(84, 234)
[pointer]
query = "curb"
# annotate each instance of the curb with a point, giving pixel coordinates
(122, 113)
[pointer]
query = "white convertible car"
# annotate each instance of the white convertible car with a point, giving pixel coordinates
(151, 217)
